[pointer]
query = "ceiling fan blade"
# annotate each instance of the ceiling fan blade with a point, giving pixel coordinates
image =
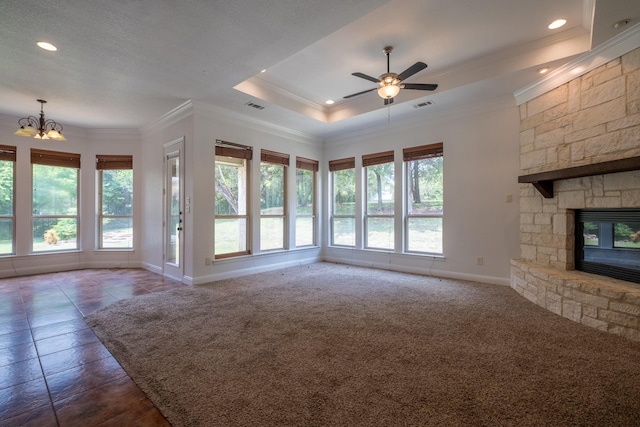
(418, 66)
(359, 93)
(364, 76)
(419, 86)
(388, 101)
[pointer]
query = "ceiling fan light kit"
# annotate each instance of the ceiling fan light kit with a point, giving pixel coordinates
(390, 83)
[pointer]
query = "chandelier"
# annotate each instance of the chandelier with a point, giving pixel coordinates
(40, 128)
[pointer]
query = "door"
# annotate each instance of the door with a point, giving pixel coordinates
(173, 265)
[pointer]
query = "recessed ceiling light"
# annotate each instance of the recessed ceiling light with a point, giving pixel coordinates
(47, 46)
(557, 24)
(543, 70)
(264, 71)
(329, 101)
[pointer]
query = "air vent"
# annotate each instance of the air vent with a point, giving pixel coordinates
(423, 104)
(256, 106)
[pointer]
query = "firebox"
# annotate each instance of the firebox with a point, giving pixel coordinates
(607, 242)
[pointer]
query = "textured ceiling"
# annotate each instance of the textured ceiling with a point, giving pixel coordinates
(124, 63)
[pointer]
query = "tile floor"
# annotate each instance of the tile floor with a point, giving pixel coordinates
(53, 369)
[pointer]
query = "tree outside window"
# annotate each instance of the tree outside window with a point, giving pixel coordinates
(343, 202)
(273, 167)
(7, 212)
(231, 233)
(306, 171)
(55, 200)
(379, 217)
(115, 222)
(425, 195)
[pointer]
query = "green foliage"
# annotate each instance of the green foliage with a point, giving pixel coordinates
(6, 187)
(623, 232)
(426, 185)
(304, 190)
(55, 190)
(117, 192)
(344, 192)
(590, 227)
(227, 181)
(6, 200)
(66, 228)
(380, 183)
(271, 188)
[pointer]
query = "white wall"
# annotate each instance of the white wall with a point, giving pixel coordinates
(480, 170)
(201, 125)
(177, 124)
(211, 124)
(481, 166)
(87, 143)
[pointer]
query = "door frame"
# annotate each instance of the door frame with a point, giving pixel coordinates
(173, 149)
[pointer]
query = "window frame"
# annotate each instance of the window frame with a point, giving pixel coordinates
(244, 153)
(337, 166)
(268, 157)
(409, 154)
(56, 159)
(112, 162)
(369, 160)
(8, 153)
(312, 166)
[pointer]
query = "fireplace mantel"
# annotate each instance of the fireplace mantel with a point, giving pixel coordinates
(543, 181)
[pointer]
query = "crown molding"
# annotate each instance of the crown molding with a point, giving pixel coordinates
(418, 121)
(619, 45)
(239, 119)
(180, 112)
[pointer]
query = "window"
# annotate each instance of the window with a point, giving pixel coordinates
(115, 201)
(55, 200)
(343, 202)
(7, 208)
(231, 233)
(273, 174)
(379, 223)
(424, 195)
(305, 201)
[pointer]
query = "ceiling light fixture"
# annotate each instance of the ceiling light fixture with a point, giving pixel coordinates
(557, 24)
(543, 70)
(389, 86)
(40, 128)
(329, 102)
(47, 46)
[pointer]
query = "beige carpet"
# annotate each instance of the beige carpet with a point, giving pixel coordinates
(333, 345)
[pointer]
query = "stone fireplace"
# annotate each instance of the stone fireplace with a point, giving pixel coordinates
(580, 148)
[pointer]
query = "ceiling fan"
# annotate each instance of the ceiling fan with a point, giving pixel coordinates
(390, 83)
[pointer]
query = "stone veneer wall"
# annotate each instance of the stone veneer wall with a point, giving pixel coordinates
(591, 119)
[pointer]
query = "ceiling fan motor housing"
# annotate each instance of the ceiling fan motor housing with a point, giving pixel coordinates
(389, 79)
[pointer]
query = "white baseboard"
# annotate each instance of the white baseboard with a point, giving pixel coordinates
(423, 271)
(42, 268)
(253, 270)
